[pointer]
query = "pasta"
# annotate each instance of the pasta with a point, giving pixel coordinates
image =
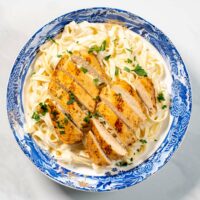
(124, 49)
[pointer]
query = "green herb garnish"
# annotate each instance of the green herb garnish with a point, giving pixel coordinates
(160, 97)
(54, 113)
(103, 46)
(87, 118)
(65, 120)
(97, 98)
(70, 52)
(96, 115)
(127, 69)
(97, 49)
(84, 70)
(60, 125)
(96, 81)
(59, 55)
(129, 60)
(71, 99)
(52, 40)
(140, 71)
(94, 48)
(107, 57)
(130, 50)
(44, 108)
(143, 141)
(36, 116)
(164, 106)
(62, 132)
(134, 58)
(116, 71)
(124, 163)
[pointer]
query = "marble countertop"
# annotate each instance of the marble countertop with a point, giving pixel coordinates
(180, 178)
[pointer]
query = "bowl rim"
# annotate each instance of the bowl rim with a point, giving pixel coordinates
(92, 9)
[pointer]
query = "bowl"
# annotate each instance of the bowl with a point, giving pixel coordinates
(180, 110)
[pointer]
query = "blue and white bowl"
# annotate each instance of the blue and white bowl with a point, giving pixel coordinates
(180, 106)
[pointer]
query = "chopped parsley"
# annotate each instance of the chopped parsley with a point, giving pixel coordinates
(71, 99)
(127, 69)
(130, 50)
(59, 55)
(62, 132)
(65, 120)
(97, 49)
(70, 52)
(160, 97)
(94, 48)
(116, 71)
(155, 140)
(134, 58)
(87, 118)
(97, 98)
(103, 46)
(84, 70)
(54, 113)
(107, 57)
(36, 116)
(124, 163)
(164, 107)
(140, 71)
(60, 125)
(96, 81)
(143, 141)
(96, 115)
(129, 60)
(52, 40)
(44, 108)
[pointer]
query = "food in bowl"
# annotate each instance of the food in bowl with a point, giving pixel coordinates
(97, 96)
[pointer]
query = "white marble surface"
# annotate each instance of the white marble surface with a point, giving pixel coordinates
(180, 178)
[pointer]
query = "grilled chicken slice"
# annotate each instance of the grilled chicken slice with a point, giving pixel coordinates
(120, 107)
(71, 86)
(108, 143)
(131, 97)
(146, 91)
(68, 103)
(94, 150)
(125, 135)
(83, 79)
(91, 63)
(64, 128)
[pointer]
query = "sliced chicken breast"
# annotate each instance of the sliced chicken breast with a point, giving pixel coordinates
(131, 97)
(91, 63)
(108, 143)
(64, 128)
(71, 86)
(124, 134)
(83, 79)
(68, 103)
(120, 107)
(146, 91)
(94, 150)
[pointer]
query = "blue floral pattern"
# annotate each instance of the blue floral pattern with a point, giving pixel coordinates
(180, 106)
